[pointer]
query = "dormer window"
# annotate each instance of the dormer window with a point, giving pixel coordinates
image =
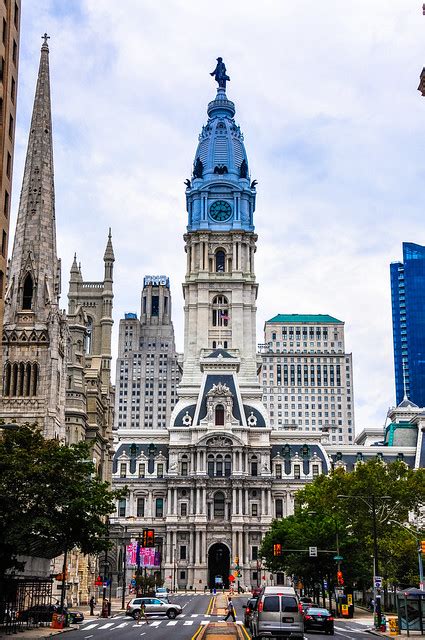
(28, 292)
(219, 415)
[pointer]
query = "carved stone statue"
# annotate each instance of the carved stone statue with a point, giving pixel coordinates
(243, 171)
(219, 73)
(198, 169)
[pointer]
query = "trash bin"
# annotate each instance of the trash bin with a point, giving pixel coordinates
(383, 626)
(105, 609)
(58, 621)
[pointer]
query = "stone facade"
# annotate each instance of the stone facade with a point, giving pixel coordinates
(307, 376)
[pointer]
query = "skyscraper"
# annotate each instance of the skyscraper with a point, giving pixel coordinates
(9, 55)
(408, 313)
(147, 367)
(307, 376)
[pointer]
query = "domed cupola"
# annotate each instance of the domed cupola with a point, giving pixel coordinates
(220, 194)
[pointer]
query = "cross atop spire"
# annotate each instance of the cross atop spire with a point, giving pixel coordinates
(45, 37)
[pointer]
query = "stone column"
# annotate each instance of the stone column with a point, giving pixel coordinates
(263, 502)
(240, 511)
(233, 501)
(269, 501)
(169, 506)
(247, 549)
(195, 538)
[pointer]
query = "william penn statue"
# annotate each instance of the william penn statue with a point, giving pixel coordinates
(219, 73)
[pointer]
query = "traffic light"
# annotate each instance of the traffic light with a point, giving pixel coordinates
(277, 549)
(423, 546)
(339, 578)
(148, 537)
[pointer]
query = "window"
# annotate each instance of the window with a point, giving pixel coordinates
(4, 35)
(279, 508)
(220, 311)
(279, 471)
(254, 553)
(315, 470)
(14, 52)
(140, 507)
(6, 204)
(227, 466)
(297, 471)
(88, 336)
(11, 126)
(254, 467)
(123, 470)
(219, 505)
(271, 603)
(1, 284)
(159, 508)
(160, 471)
(185, 467)
(182, 575)
(3, 243)
(220, 258)
(8, 165)
(142, 470)
(183, 509)
(183, 552)
(254, 509)
(13, 90)
(155, 305)
(219, 415)
(121, 508)
(16, 15)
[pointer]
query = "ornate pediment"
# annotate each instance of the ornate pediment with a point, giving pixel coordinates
(220, 442)
(219, 389)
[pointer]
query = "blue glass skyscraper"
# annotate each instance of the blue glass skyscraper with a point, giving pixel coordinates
(408, 311)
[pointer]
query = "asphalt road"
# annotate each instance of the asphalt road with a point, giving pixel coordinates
(186, 626)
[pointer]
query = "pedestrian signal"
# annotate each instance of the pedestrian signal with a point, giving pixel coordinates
(423, 546)
(339, 578)
(148, 537)
(277, 549)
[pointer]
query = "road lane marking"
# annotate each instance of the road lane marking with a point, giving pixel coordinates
(171, 623)
(107, 625)
(90, 626)
(204, 622)
(197, 633)
(194, 615)
(156, 623)
(245, 632)
(186, 622)
(120, 626)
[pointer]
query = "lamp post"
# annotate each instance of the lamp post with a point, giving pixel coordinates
(415, 534)
(370, 501)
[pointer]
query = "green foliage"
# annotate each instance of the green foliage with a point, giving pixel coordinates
(50, 497)
(320, 517)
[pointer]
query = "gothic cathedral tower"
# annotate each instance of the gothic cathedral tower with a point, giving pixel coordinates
(35, 330)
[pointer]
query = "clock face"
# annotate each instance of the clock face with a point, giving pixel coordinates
(220, 210)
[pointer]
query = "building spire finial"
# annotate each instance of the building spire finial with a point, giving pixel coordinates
(45, 37)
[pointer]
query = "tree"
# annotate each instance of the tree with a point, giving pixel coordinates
(51, 499)
(320, 516)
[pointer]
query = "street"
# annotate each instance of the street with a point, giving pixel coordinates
(187, 625)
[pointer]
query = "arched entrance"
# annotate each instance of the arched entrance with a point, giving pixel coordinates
(218, 565)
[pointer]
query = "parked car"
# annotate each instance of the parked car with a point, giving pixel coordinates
(316, 619)
(308, 605)
(162, 593)
(278, 613)
(44, 613)
(249, 610)
(153, 606)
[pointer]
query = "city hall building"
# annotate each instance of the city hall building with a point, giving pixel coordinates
(211, 477)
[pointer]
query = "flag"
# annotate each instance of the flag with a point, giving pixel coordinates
(224, 316)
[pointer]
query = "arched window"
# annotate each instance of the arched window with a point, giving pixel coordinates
(27, 390)
(21, 379)
(219, 505)
(219, 465)
(14, 379)
(227, 465)
(220, 261)
(210, 464)
(254, 466)
(184, 465)
(6, 379)
(219, 415)
(88, 336)
(34, 379)
(220, 314)
(28, 292)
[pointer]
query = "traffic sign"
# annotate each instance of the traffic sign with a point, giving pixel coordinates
(312, 552)
(133, 583)
(378, 582)
(325, 584)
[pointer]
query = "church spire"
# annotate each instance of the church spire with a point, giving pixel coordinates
(34, 263)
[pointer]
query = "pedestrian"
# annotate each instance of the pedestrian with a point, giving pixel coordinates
(230, 610)
(142, 613)
(92, 604)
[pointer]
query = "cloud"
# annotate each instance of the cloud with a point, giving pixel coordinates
(326, 96)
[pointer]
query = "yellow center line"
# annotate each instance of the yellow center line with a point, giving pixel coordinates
(242, 626)
(210, 606)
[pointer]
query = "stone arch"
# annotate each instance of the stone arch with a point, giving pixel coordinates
(28, 292)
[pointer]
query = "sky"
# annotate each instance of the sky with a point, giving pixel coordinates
(326, 95)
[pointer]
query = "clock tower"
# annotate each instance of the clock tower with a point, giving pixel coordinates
(220, 289)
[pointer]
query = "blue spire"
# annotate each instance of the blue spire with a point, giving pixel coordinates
(219, 195)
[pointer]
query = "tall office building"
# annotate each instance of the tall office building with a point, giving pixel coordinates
(307, 376)
(408, 313)
(147, 367)
(10, 17)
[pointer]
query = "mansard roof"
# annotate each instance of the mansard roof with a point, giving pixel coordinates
(305, 318)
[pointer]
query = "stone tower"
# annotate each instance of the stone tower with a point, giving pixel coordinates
(35, 330)
(90, 395)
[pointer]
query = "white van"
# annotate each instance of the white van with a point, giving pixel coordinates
(278, 614)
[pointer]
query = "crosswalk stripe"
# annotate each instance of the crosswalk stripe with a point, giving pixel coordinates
(107, 625)
(120, 626)
(172, 623)
(89, 626)
(188, 622)
(194, 615)
(204, 622)
(156, 623)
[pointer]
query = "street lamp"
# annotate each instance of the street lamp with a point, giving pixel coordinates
(415, 534)
(370, 501)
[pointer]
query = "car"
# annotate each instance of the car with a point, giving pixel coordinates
(153, 606)
(162, 593)
(256, 592)
(249, 610)
(277, 614)
(44, 613)
(316, 619)
(308, 605)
